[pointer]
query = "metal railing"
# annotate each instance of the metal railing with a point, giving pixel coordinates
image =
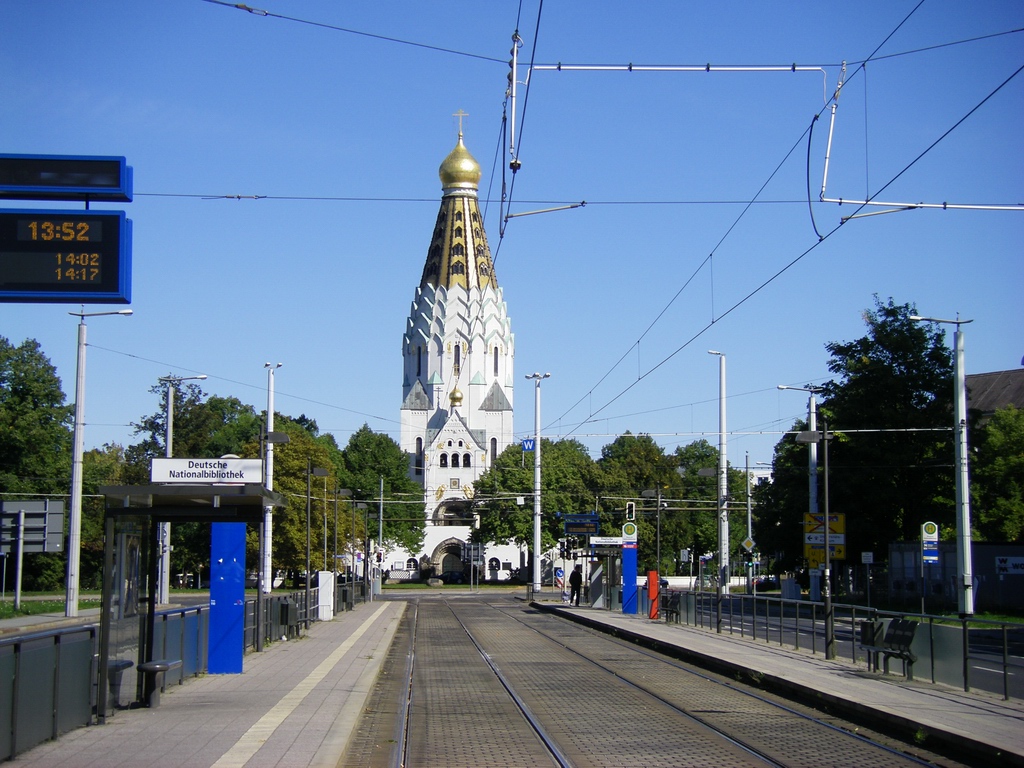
(47, 678)
(960, 651)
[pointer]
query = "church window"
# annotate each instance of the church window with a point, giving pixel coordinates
(444, 460)
(449, 443)
(455, 460)
(494, 449)
(475, 217)
(411, 564)
(459, 268)
(476, 232)
(418, 464)
(466, 461)
(458, 232)
(495, 360)
(458, 249)
(458, 359)
(458, 215)
(419, 361)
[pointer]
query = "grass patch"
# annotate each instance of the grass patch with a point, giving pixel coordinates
(36, 607)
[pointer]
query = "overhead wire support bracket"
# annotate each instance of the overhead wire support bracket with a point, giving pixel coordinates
(517, 43)
(895, 207)
(580, 204)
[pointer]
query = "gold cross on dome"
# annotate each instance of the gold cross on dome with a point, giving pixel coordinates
(460, 114)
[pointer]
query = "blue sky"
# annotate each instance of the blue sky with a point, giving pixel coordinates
(340, 134)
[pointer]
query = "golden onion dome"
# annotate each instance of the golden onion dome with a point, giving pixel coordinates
(459, 170)
(455, 397)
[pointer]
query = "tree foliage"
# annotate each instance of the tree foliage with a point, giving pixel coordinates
(35, 443)
(890, 457)
(374, 467)
(997, 477)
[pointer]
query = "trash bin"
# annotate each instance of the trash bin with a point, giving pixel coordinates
(871, 633)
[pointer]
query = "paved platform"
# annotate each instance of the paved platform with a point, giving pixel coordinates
(297, 703)
(977, 725)
(294, 705)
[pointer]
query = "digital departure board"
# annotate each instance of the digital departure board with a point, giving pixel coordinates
(62, 177)
(65, 256)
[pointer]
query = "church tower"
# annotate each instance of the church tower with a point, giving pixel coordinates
(457, 390)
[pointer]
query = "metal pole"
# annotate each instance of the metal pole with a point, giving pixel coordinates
(750, 528)
(164, 578)
(309, 471)
(830, 635)
(266, 567)
(75, 513)
(537, 377)
(723, 494)
(963, 495)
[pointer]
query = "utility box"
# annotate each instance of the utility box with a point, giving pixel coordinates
(872, 633)
(288, 615)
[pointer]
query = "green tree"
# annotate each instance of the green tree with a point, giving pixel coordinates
(204, 427)
(100, 466)
(35, 443)
(569, 479)
(496, 491)
(35, 422)
(895, 387)
(997, 477)
(370, 459)
(890, 455)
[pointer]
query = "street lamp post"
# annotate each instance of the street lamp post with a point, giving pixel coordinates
(311, 471)
(164, 564)
(78, 451)
(814, 437)
(965, 591)
(723, 496)
(537, 377)
(266, 556)
(812, 448)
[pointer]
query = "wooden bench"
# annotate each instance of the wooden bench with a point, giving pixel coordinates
(153, 680)
(896, 644)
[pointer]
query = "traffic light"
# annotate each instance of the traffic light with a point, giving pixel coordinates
(630, 511)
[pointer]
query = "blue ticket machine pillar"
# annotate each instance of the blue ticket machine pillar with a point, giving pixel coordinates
(227, 598)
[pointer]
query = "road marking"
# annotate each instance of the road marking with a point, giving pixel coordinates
(250, 742)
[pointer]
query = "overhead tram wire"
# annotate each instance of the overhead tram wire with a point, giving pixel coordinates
(335, 28)
(758, 289)
(260, 387)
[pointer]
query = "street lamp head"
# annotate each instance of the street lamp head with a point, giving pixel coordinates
(83, 314)
(811, 389)
(715, 352)
(920, 319)
(538, 376)
(272, 365)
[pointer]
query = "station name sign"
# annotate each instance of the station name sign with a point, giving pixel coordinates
(201, 471)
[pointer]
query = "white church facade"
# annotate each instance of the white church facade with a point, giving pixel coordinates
(457, 388)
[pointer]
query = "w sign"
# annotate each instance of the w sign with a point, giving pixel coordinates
(528, 444)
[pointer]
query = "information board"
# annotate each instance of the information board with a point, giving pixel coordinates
(77, 257)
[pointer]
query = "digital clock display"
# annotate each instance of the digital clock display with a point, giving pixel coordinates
(65, 256)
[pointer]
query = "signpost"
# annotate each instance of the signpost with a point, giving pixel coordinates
(30, 526)
(814, 538)
(929, 553)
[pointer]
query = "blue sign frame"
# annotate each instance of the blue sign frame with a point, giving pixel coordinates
(65, 177)
(24, 279)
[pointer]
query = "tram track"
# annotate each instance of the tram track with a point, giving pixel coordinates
(473, 682)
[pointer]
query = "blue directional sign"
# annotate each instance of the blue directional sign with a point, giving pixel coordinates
(528, 444)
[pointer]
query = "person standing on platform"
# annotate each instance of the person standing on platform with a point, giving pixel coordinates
(575, 583)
